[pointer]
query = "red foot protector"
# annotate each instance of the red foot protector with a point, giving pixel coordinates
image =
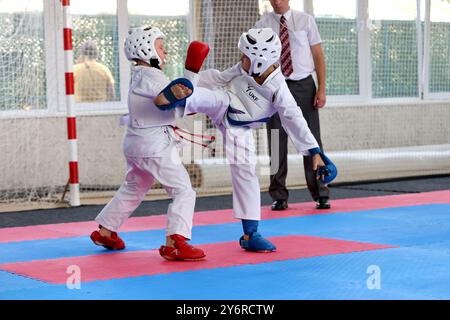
(181, 250)
(144, 263)
(114, 242)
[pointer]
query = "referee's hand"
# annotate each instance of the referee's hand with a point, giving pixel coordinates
(320, 99)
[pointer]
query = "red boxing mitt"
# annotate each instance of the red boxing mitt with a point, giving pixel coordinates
(196, 54)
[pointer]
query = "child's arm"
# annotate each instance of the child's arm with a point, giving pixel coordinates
(293, 121)
(212, 78)
(150, 85)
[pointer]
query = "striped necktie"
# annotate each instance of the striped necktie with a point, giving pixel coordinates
(286, 61)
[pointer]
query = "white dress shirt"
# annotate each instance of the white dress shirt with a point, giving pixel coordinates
(303, 33)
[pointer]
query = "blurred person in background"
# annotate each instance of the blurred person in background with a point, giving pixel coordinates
(93, 80)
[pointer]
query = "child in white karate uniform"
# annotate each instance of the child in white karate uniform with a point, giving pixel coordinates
(238, 99)
(150, 152)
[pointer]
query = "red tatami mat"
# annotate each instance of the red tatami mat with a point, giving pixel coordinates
(141, 263)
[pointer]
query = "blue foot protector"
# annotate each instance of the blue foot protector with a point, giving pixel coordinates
(249, 226)
(174, 102)
(257, 243)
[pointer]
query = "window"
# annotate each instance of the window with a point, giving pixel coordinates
(394, 53)
(96, 45)
(337, 25)
(439, 68)
(372, 47)
(22, 55)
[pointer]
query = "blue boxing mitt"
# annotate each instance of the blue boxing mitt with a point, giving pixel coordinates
(329, 171)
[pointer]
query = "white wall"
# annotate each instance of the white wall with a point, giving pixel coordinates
(34, 150)
(385, 125)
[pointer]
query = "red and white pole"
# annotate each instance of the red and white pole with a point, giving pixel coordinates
(71, 117)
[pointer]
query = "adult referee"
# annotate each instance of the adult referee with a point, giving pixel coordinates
(301, 57)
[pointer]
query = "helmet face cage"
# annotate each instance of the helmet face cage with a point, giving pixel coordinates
(262, 47)
(140, 44)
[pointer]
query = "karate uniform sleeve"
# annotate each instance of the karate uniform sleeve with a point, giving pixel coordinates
(150, 85)
(293, 121)
(213, 79)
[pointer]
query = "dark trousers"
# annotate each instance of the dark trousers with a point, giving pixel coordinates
(303, 91)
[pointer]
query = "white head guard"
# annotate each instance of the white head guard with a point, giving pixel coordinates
(262, 47)
(140, 44)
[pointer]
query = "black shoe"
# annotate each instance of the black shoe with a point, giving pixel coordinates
(323, 203)
(279, 205)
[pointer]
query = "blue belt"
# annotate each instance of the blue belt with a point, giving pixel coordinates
(244, 123)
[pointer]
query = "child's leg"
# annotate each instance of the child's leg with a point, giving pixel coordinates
(171, 173)
(129, 196)
(240, 151)
(213, 103)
